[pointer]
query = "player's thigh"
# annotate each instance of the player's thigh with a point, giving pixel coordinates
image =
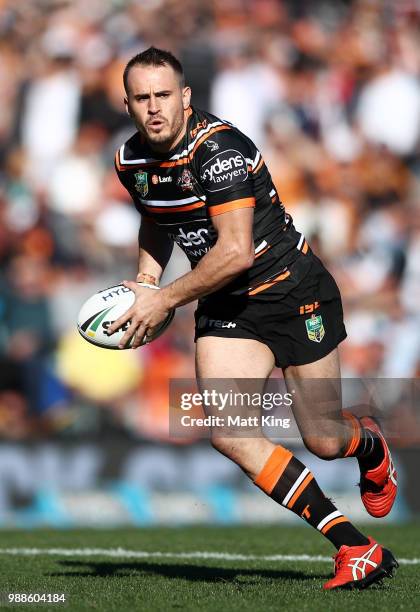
(317, 401)
(233, 368)
(232, 358)
(237, 369)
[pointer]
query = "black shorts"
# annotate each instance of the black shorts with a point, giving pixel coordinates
(300, 323)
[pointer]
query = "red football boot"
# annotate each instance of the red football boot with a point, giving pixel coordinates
(357, 567)
(378, 487)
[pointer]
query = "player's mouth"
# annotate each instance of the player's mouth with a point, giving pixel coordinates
(156, 124)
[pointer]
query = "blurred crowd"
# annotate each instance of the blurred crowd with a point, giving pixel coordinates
(330, 92)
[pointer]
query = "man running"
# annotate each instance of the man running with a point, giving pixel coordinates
(264, 299)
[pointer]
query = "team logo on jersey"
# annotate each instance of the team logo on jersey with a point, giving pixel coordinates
(141, 183)
(186, 180)
(315, 328)
(224, 170)
(210, 144)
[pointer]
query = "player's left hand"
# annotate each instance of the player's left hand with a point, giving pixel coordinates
(147, 311)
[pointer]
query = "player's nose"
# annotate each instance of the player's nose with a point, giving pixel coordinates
(153, 106)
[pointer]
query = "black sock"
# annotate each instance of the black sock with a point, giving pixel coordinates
(370, 451)
(297, 490)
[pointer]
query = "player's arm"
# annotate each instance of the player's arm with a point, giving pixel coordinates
(155, 249)
(232, 255)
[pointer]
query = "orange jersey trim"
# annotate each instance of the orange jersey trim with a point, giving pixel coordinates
(167, 209)
(267, 285)
(305, 248)
(273, 469)
(258, 167)
(117, 160)
(219, 209)
(205, 136)
(171, 164)
(300, 490)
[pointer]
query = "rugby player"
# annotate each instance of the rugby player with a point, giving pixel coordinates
(264, 299)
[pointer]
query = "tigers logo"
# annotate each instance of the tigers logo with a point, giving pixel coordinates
(186, 180)
(210, 144)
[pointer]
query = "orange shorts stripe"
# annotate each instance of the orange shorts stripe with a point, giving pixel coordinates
(273, 469)
(262, 252)
(267, 285)
(305, 247)
(340, 519)
(219, 209)
(300, 490)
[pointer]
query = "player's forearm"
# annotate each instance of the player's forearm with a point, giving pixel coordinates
(149, 267)
(217, 268)
(155, 250)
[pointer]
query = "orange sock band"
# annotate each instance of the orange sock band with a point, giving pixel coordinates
(273, 469)
(356, 433)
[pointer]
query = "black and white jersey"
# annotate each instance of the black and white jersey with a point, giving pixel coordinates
(213, 170)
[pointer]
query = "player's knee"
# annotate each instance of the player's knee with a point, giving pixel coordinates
(324, 448)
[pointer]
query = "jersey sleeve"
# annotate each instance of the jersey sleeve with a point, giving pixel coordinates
(223, 163)
(124, 178)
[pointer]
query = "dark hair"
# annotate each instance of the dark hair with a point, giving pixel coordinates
(154, 57)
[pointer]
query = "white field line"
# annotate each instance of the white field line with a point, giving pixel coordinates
(143, 554)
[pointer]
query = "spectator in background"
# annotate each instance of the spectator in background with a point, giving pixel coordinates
(51, 105)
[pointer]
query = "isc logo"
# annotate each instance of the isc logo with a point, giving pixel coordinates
(308, 308)
(200, 126)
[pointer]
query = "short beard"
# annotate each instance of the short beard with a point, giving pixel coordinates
(160, 140)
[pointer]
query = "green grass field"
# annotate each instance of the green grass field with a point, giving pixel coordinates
(96, 580)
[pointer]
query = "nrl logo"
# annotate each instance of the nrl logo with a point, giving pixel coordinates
(210, 144)
(141, 183)
(315, 328)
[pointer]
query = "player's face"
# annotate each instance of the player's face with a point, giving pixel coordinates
(156, 102)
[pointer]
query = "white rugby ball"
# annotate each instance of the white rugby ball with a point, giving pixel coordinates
(105, 307)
